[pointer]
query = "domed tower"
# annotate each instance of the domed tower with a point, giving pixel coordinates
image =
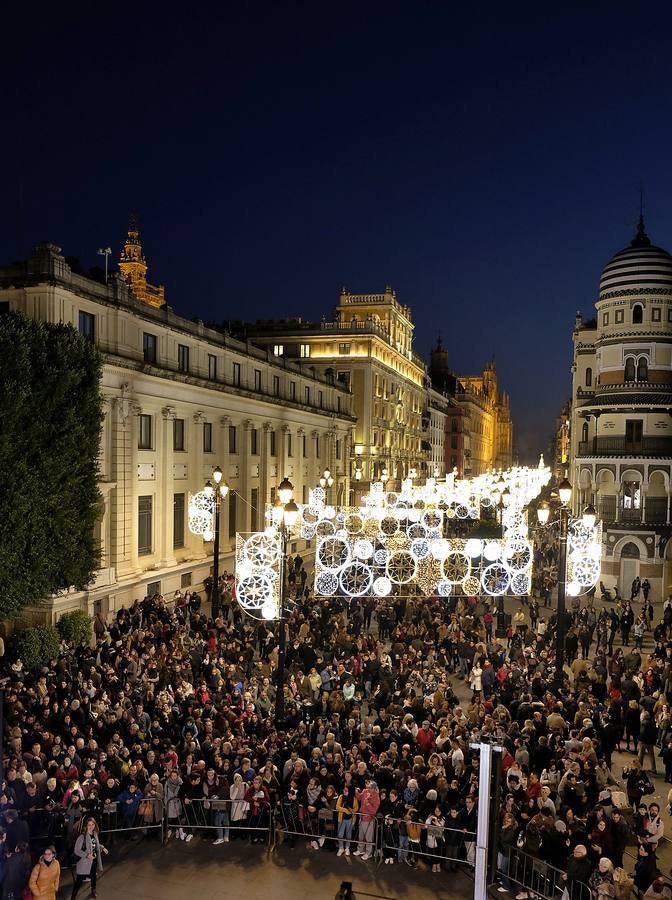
(621, 421)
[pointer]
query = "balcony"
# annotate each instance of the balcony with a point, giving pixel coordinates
(620, 446)
(653, 513)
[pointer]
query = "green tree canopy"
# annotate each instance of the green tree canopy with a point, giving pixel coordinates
(50, 422)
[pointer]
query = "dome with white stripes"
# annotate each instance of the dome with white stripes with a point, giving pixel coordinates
(639, 267)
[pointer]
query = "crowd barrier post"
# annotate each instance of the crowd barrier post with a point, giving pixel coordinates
(350, 836)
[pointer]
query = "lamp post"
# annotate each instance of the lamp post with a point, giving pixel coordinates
(285, 512)
(216, 494)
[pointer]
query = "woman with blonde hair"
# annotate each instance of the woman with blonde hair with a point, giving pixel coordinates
(88, 852)
(623, 885)
(46, 876)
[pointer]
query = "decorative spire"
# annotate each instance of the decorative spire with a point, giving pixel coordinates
(641, 239)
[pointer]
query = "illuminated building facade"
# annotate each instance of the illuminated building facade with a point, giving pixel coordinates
(621, 431)
(179, 399)
(368, 347)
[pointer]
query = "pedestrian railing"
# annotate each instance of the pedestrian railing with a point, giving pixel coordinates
(136, 818)
(222, 819)
(537, 878)
(406, 841)
(350, 832)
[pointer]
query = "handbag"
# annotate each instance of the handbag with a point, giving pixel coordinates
(146, 809)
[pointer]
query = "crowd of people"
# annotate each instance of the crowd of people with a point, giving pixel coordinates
(169, 717)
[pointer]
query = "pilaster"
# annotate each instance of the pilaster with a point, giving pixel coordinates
(166, 489)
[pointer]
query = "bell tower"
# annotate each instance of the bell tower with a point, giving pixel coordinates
(133, 268)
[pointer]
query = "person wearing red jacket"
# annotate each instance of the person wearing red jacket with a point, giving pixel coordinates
(369, 801)
(425, 738)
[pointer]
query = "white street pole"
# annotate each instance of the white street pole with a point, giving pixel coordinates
(483, 821)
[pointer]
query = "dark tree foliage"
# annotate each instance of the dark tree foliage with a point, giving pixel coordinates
(50, 422)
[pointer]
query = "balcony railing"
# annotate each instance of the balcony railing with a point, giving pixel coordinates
(653, 512)
(621, 446)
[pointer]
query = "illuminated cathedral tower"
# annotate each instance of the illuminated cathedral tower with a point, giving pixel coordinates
(133, 268)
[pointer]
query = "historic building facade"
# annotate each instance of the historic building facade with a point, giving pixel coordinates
(180, 399)
(367, 346)
(621, 421)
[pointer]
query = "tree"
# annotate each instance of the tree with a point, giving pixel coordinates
(36, 646)
(75, 627)
(50, 421)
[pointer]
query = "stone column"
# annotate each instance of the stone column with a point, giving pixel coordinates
(165, 490)
(283, 456)
(124, 472)
(244, 455)
(264, 470)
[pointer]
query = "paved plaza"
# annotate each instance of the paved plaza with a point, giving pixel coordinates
(199, 871)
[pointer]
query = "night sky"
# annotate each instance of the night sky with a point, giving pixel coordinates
(484, 160)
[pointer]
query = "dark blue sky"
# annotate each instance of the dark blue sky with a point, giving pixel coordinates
(484, 160)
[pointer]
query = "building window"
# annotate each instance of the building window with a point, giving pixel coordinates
(631, 495)
(584, 432)
(633, 434)
(619, 316)
(233, 510)
(305, 447)
(178, 521)
(185, 579)
(344, 378)
(254, 448)
(655, 314)
(589, 377)
(236, 374)
(278, 350)
(183, 357)
(145, 433)
(273, 444)
(178, 434)
(257, 380)
(144, 525)
(290, 449)
(317, 448)
(669, 315)
(292, 390)
(320, 399)
(304, 351)
(605, 318)
(306, 391)
(212, 367)
(149, 347)
(207, 437)
(642, 369)
(338, 449)
(637, 314)
(276, 385)
(233, 439)
(630, 368)
(344, 349)
(87, 326)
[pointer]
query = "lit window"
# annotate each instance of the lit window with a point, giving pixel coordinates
(183, 358)
(278, 349)
(305, 351)
(344, 349)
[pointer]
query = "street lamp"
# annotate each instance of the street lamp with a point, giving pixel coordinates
(285, 513)
(216, 495)
(326, 482)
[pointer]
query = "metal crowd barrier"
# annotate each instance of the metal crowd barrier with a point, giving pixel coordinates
(117, 818)
(537, 877)
(227, 819)
(438, 844)
(358, 833)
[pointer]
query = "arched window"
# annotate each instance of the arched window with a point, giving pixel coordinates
(637, 314)
(630, 368)
(584, 432)
(630, 551)
(589, 377)
(642, 369)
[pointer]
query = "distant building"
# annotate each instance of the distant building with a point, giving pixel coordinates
(179, 399)
(621, 431)
(367, 346)
(560, 448)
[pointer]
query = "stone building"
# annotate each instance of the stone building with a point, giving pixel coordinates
(621, 431)
(367, 346)
(181, 398)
